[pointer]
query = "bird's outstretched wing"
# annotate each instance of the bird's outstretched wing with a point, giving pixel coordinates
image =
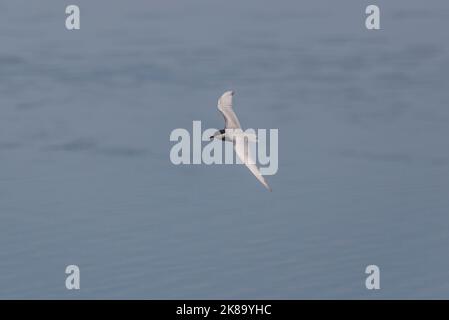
(241, 148)
(225, 107)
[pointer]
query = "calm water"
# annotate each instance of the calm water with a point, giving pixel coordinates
(85, 176)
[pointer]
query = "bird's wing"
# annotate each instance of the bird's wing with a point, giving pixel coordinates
(241, 148)
(225, 107)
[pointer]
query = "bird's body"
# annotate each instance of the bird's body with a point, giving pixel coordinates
(234, 133)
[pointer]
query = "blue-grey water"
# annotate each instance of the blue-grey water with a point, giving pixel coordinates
(85, 175)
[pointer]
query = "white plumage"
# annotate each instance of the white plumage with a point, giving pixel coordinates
(234, 133)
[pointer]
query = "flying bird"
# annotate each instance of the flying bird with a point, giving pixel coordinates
(233, 132)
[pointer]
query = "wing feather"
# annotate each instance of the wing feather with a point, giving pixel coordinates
(241, 148)
(225, 107)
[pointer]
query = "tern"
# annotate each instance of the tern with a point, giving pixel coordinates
(233, 132)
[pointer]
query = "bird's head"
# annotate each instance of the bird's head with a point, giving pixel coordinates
(218, 135)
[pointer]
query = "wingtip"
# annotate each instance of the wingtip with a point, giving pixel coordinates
(228, 93)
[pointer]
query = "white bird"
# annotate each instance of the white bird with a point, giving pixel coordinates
(234, 133)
